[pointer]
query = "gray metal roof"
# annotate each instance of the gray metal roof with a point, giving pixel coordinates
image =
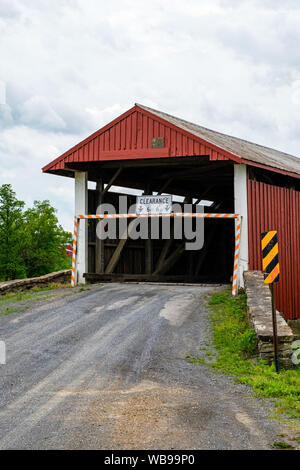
(238, 147)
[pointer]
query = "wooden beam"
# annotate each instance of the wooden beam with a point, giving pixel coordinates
(117, 253)
(115, 257)
(99, 261)
(165, 185)
(205, 249)
(171, 260)
(210, 167)
(148, 242)
(94, 277)
(163, 254)
(148, 256)
(110, 183)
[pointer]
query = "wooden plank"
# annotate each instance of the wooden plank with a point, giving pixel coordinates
(99, 261)
(165, 249)
(117, 253)
(110, 183)
(139, 277)
(148, 256)
(148, 242)
(115, 257)
(165, 185)
(163, 254)
(171, 260)
(205, 249)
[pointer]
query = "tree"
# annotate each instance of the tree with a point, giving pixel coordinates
(11, 215)
(44, 240)
(32, 242)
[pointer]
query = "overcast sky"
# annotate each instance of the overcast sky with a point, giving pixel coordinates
(70, 66)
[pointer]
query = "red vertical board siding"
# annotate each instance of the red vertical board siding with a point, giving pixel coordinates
(139, 131)
(135, 132)
(275, 208)
(145, 132)
(112, 138)
(118, 136)
(123, 135)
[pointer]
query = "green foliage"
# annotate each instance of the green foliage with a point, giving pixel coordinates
(44, 239)
(231, 329)
(11, 262)
(31, 241)
(9, 310)
(282, 445)
(236, 345)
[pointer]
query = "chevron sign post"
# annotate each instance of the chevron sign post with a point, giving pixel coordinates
(270, 261)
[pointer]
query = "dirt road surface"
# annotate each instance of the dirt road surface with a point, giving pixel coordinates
(105, 369)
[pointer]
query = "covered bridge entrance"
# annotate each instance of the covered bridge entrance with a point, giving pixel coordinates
(153, 152)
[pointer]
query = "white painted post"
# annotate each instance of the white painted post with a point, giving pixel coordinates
(240, 207)
(81, 207)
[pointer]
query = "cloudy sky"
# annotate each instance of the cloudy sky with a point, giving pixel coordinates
(70, 66)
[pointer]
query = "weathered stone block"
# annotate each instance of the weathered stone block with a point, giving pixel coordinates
(62, 277)
(260, 317)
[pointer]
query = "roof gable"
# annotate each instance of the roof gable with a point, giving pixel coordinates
(130, 135)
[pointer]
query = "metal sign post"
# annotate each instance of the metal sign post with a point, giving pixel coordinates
(269, 245)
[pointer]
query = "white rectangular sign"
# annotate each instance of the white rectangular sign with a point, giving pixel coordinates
(153, 204)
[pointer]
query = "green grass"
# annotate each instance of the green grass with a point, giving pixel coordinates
(13, 297)
(6, 300)
(50, 286)
(19, 296)
(9, 310)
(297, 439)
(282, 445)
(236, 347)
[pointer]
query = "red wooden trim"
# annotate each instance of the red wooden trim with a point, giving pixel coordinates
(89, 138)
(134, 154)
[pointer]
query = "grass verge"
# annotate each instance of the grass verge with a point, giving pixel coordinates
(236, 346)
(7, 300)
(21, 300)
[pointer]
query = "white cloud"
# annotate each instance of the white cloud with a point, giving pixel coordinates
(72, 66)
(37, 112)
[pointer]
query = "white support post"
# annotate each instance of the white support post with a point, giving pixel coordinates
(240, 207)
(81, 207)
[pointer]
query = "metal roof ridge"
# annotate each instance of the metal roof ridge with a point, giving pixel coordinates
(147, 108)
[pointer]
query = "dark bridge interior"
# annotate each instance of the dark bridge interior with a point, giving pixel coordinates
(194, 179)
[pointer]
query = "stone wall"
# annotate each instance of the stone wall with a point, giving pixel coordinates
(61, 277)
(260, 316)
(295, 326)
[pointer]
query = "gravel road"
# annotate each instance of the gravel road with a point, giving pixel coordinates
(105, 369)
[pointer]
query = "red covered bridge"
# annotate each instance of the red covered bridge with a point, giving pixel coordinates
(149, 150)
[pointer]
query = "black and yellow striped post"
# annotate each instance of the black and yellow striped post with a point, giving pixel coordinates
(269, 246)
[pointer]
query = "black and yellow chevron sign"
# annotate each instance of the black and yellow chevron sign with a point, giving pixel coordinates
(269, 246)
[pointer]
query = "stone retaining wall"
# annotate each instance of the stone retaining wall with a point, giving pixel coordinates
(295, 326)
(61, 277)
(260, 316)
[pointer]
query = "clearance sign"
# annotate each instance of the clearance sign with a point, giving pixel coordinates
(269, 246)
(154, 204)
